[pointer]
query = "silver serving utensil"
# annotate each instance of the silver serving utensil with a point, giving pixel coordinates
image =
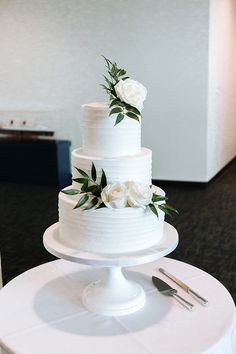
(186, 288)
(167, 290)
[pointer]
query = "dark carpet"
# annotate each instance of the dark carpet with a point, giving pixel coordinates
(206, 225)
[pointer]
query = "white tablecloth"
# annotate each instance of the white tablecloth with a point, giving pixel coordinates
(41, 313)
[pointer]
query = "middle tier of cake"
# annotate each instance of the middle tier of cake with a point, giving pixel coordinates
(136, 167)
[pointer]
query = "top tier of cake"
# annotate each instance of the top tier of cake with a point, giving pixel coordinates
(100, 136)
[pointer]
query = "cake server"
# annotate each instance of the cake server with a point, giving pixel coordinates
(167, 290)
(188, 290)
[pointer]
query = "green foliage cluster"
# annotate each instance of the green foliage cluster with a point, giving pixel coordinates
(166, 208)
(90, 187)
(117, 106)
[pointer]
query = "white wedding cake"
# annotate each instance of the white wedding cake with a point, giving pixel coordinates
(111, 206)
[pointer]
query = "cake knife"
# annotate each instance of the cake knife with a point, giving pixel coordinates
(188, 290)
(166, 289)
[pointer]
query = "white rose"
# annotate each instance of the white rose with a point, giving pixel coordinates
(115, 195)
(131, 92)
(139, 195)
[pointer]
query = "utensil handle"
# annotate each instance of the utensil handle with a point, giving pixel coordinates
(198, 297)
(183, 302)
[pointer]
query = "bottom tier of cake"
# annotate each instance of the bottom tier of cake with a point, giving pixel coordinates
(109, 231)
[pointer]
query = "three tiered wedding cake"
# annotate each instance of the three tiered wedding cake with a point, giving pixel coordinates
(111, 206)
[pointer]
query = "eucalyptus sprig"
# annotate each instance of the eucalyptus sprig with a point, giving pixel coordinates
(122, 109)
(166, 208)
(90, 187)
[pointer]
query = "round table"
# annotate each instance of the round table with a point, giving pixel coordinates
(41, 313)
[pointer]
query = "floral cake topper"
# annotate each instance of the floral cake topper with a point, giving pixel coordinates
(126, 95)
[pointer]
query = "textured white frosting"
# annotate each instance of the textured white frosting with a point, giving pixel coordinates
(136, 167)
(117, 150)
(108, 230)
(101, 138)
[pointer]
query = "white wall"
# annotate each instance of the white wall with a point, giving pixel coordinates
(50, 62)
(221, 130)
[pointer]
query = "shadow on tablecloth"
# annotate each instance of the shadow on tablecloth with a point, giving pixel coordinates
(58, 304)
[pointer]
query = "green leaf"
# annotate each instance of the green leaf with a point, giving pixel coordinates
(92, 188)
(121, 72)
(82, 201)
(114, 102)
(115, 110)
(134, 110)
(132, 115)
(71, 191)
(82, 172)
(166, 211)
(103, 179)
(105, 88)
(107, 61)
(80, 180)
(170, 208)
(85, 186)
(112, 97)
(125, 78)
(113, 92)
(114, 69)
(158, 198)
(119, 118)
(113, 76)
(93, 172)
(97, 191)
(91, 204)
(102, 205)
(153, 209)
(109, 83)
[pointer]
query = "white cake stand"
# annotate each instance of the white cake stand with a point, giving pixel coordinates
(113, 295)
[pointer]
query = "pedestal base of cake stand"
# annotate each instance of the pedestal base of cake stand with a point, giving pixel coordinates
(113, 294)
